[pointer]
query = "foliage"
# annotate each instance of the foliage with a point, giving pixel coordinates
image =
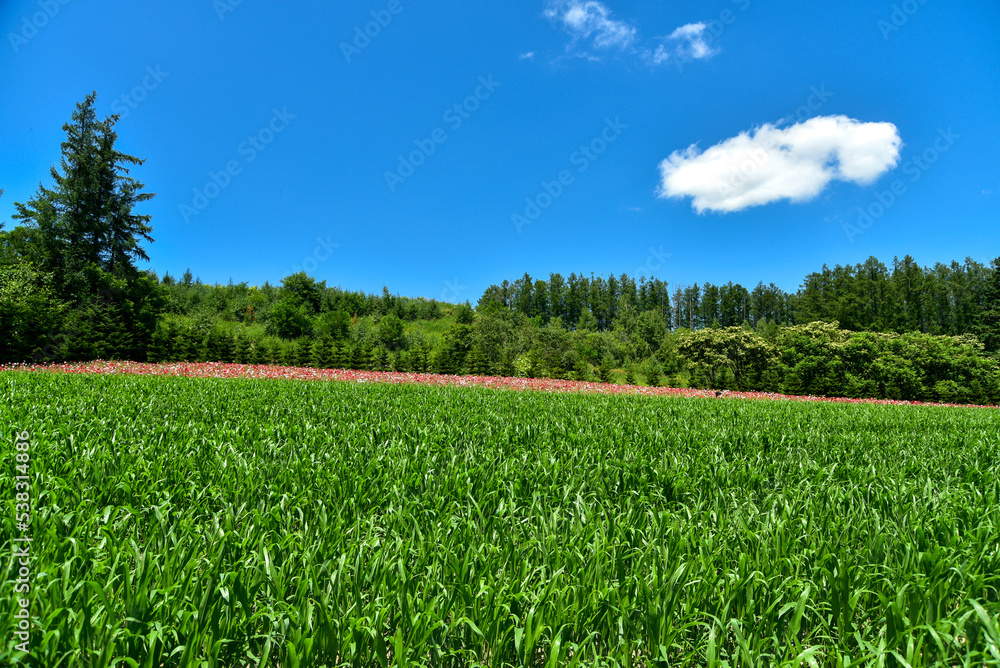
(69, 290)
(947, 299)
(86, 219)
(989, 319)
(367, 524)
(390, 332)
(74, 255)
(29, 312)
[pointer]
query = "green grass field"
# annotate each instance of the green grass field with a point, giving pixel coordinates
(182, 522)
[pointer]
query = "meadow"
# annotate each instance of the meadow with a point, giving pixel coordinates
(230, 522)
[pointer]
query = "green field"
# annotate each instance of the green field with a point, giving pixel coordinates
(279, 523)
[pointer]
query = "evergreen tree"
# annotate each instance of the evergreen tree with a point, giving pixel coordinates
(242, 349)
(122, 230)
(443, 362)
(86, 218)
(179, 345)
(586, 321)
(219, 346)
(390, 332)
(336, 355)
(266, 352)
(302, 351)
(320, 353)
(29, 313)
(194, 349)
(478, 364)
(83, 232)
(989, 319)
(464, 314)
(255, 355)
(604, 371)
(159, 346)
(378, 359)
(288, 353)
(654, 374)
(420, 358)
(350, 356)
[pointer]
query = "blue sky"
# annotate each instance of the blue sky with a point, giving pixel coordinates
(714, 141)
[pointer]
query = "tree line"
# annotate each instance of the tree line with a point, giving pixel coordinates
(950, 299)
(70, 291)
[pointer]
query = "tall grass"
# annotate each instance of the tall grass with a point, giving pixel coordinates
(275, 523)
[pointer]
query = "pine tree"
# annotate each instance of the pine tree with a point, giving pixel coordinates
(202, 350)
(267, 352)
(418, 359)
(288, 352)
(86, 217)
(444, 362)
(359, 357)
(989, 320)
(402, 362)
(122, 229)
(84, 233)
(336, 355)
(219, 346)
(179, 346)
(653, 375)
(67, 216)
(194, 349)
(159, 346)
(478, 364)
(378, 359)
(303, 351)
(242, 349)
(604, 371)
(256, 355)
(320, 355)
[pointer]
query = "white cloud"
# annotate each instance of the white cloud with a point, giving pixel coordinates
(592, 29)
(771, 163)
(590, 20)
(686, 43)
(530, 55)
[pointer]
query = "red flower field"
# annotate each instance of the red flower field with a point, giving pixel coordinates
(223, 370)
